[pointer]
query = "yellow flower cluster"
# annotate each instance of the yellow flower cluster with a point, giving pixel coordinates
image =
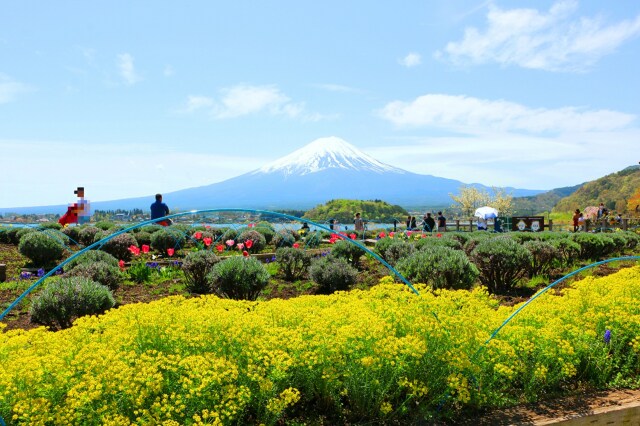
(214, 361)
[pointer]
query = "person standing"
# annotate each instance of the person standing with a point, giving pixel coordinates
(160, 209)
(442, 222)
(358, 223)
(408, 223)
(414, 223)
(576, 216)
(428, 223)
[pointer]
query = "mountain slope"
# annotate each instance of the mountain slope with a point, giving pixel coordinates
(613, 190)
(544, 202)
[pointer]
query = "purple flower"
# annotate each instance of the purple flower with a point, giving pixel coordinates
(273, 259)
(25, 275)
(59, 271)
(607, 336)
(152, 265)
(40, 272)
(176, 263)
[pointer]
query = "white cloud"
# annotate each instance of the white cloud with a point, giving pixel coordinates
(127, 69)
(552, 41)
(472, 115)
(516, 160)
(411, 60)
(10, 88)
(243, 99)
(195, 103)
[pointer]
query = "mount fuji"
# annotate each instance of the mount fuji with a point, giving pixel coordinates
(325, 169)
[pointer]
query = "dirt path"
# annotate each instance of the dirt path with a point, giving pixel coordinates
(616, 407)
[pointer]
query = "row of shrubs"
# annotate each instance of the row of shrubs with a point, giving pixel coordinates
(45, 246)
(89, 279)
(458, 260)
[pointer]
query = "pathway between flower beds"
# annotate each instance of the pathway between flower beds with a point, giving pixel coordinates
(616, 407)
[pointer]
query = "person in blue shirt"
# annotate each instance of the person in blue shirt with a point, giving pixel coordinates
(160, 209)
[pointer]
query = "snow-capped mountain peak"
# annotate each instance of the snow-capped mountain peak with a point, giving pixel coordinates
(326, 153)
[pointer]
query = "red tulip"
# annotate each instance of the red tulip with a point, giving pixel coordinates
(252, 225)
(382, 235)
(439, 235)
(170, 251)
(121, 264)
(296, 245)
(207, 241)
(220, 248)
(352, 236)
(198, 235)
(245, 253)
(409, 233)
(145, 248)
(248, 244)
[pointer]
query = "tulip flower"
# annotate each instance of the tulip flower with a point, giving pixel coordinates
(220, 248)
(170, 251)
(296, 245)
(198, 235)
(230, 243)
(248, 244)
(207, 241)
(240, 246)
(121, 264)
(439, 235)
(382, 235)
(245, 253)
(252, 225)
(352, 236)
(391, 234)
(145, 248)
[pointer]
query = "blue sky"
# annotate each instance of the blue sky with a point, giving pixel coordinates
(133, 98)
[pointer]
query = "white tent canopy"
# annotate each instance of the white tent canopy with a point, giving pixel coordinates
(486, 212)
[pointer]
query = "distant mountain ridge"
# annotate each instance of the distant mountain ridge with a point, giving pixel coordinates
(325, 169)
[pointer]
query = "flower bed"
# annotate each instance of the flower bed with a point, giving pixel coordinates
(376, 355)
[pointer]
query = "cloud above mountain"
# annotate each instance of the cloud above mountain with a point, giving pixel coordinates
(557, 40)
(467, 114)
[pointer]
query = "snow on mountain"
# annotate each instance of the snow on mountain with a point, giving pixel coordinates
(326, 153)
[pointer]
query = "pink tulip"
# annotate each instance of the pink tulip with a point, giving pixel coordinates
(240, 246)
(391, 234)
(230, 243)
(170, 252)
(207, 241)
(145, 248)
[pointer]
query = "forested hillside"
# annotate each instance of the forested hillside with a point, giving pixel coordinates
(613, 190)
(344, 210)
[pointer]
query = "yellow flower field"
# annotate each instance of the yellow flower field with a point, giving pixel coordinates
(371, 355)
